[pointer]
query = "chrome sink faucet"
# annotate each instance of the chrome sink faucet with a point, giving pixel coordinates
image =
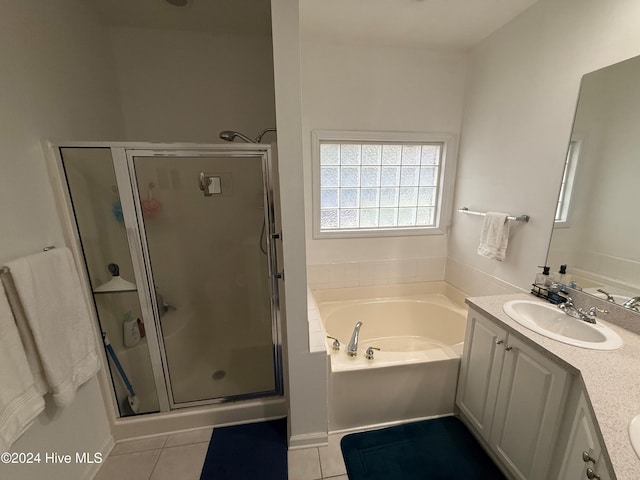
(632, 304)
(352, 348)
(588, 316)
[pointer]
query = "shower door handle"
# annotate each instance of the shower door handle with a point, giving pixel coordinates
(274, 250)
(205, 181)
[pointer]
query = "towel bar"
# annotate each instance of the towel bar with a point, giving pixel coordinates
(521, 218)
(5, 269)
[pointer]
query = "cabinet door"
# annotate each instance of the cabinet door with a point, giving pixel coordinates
(528, 407)
(480, 371)
(583, 438)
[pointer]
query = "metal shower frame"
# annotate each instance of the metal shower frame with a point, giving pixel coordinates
(122, 155)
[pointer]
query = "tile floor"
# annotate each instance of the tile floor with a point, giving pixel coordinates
(166, 457)
(318, 462)
(181, 456)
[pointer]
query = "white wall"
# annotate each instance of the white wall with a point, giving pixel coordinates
(520, 100)
(353, 87)
(180, 86)
(57, 83)
(305, 372)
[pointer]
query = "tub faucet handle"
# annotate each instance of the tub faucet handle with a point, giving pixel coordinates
(336, 343)
(369, 353)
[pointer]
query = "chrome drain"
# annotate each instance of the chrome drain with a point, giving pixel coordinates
(218, 374)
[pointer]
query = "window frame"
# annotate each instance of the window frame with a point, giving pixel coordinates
(569, 174)
(446, 178)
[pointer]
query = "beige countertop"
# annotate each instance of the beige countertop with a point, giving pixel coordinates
(611, 379)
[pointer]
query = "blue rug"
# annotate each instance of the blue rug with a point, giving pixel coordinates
(439, 449)
(244, 452)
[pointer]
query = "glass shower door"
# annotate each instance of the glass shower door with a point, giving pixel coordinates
(207, 225)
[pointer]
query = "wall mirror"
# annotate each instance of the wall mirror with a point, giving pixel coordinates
(597, 224)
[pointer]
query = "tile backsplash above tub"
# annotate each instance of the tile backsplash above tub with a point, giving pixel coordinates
(377, 272)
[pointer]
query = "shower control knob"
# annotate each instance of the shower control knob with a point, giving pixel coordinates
(499, 341)
(591, 474)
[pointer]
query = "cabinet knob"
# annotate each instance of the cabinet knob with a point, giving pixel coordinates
(586, 457)
(591, 474)
(508, 348)
(499, 341)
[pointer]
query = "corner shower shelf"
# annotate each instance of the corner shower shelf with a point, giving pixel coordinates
(114, 291)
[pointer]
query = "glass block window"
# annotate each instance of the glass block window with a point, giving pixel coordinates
(566, 188)
(377, 186)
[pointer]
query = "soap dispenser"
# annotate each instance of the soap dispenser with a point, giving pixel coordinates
(130, 330)
(563, 277)
(542, 279)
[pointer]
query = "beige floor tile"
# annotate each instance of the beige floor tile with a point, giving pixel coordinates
(183, 462)
(192, 436)
(130, 466)
(331, 460)
(304, 464)
(140, 445)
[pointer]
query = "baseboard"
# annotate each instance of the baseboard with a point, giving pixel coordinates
(318, 439)
(387, 424)
(105, 450)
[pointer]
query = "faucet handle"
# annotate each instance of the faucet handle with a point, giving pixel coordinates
(336, 343)
(369, 353)
(593, 311)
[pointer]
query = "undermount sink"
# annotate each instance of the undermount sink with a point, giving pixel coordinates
(634, 434)
(550, 321)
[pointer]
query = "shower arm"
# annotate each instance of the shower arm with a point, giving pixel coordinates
(263, 133)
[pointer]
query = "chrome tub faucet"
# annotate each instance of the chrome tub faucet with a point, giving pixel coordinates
(352, 348)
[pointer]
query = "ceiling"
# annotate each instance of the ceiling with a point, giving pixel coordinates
(452, 24)
(219, 16)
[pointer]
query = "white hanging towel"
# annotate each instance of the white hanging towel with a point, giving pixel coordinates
(20, 401)
(58, 318)
(495, 236)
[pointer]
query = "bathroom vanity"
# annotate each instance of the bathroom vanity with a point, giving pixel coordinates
(545, 409)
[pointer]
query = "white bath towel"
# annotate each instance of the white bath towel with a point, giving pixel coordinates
(495, 236)
(20, 402)
(57, 315)
(26, 336)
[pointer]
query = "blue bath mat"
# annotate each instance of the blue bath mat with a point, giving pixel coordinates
(243, 452)
(439, 449)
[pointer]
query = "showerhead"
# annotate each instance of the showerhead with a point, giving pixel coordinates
(230, 136)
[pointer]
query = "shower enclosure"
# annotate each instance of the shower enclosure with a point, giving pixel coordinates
(193, 232)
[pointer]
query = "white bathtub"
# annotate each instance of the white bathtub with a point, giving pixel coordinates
(419, 329)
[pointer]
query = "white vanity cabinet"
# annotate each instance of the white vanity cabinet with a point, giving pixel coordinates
(512, 395)
(583, 438)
